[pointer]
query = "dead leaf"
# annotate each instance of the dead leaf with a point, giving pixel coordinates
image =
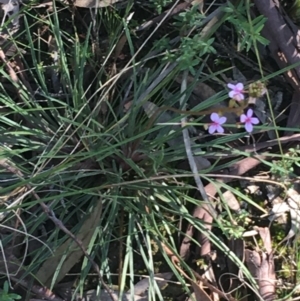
(294, 205)
(262, 267)
(120, 45)
(231, 201)
(278, 210)
(199, 292)
(70, 249)
(11, 8)
(201, 213)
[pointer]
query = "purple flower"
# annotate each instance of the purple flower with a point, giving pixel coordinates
(236, 91)
(249, 120)
(216, 123)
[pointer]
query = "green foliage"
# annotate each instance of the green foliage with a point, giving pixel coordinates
(231, 230)
(249, 33)
(80, 145)
(294, 154)
(6, 296)
(189, 19)
(158, 5)
(285, 167)
(192, 47)
(293, 9)
(190, 52)
(233, 226)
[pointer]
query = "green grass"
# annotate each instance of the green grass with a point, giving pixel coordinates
(111, 175)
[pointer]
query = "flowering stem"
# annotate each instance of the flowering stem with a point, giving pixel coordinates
(206, 112)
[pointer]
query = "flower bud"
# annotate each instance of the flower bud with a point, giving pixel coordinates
(257, 89)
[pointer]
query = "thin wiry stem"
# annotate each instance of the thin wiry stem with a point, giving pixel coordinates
(187, 143)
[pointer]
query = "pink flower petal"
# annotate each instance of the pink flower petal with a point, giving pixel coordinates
(248, 127)
(222, 120)
(236, 95)
(239, 96)
(212, 128)
(231, 86)
(243, 118)
(239, 87)
(250, 113)
(220, 129)
(254, 120)
(231, 94)
(214, 117)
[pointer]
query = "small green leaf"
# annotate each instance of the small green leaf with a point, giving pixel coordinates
(5, 287)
